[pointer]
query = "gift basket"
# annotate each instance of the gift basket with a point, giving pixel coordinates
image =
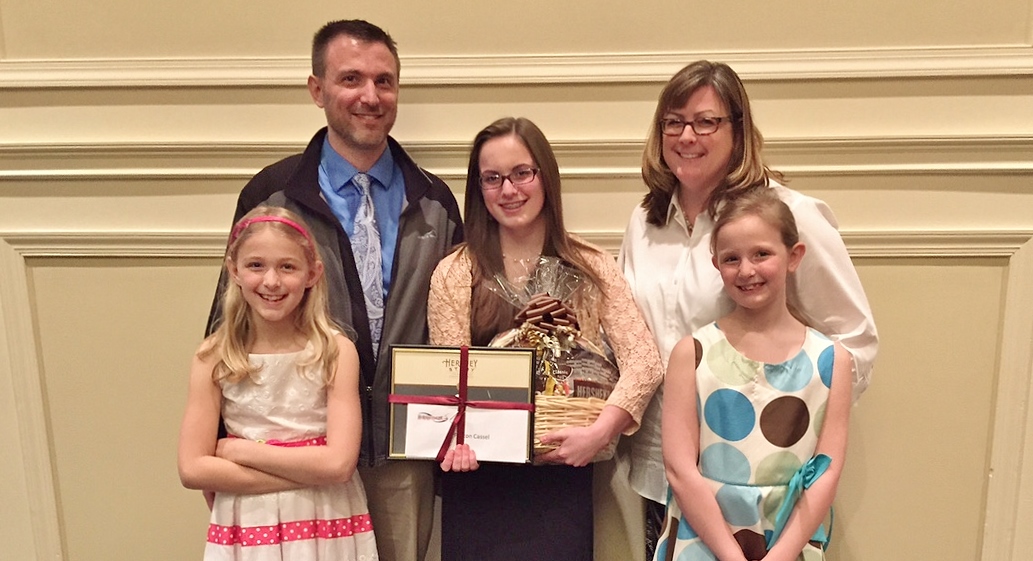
(573, 376)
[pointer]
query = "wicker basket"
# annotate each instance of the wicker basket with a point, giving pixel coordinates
(554, 412)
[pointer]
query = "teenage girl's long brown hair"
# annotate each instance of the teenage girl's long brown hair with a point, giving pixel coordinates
(490, 314)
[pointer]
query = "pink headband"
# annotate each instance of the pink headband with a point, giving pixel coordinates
(243, 225)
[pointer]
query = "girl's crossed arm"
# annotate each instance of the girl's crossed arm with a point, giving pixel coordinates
(680, 442)
(314, 465)
(199, 467)
(815, 502)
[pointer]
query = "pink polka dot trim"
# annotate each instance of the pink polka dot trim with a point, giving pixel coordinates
(315, 441)
(289, 531)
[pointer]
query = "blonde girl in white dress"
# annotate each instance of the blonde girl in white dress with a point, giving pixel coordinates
(282, 484)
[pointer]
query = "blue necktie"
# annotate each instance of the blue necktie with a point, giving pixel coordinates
(366, 246)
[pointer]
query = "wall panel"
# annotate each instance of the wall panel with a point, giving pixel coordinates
(914, 414)
(116, 338)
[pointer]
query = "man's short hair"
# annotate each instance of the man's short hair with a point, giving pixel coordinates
(355, 28)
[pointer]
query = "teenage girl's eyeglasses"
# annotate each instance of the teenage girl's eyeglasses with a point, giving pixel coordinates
(699, 125)
(491, 180)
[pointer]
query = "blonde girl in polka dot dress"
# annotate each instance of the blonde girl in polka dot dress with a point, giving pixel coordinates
(283, 484)
(756, 407)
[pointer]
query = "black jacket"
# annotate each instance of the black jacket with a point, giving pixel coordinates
(429, 226)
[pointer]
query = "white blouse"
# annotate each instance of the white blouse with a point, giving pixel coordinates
(679, 291)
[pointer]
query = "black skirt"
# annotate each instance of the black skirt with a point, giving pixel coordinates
(504, 512)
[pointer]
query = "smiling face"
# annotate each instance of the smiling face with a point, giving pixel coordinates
(358, 91)
(700, 162)
(273, 273)
(754, 262)
(517, 208)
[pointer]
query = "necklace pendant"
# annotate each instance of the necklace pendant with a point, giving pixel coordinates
(688, 224)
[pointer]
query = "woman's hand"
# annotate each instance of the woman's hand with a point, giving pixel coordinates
(577, 445)
(460, 458)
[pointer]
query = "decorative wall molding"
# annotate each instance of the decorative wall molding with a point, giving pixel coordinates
(590, 159)
(1007, 526)
(453, 173)
(139, 244)
(786, 65)
(118, 244)
(900, 244)
(23, 367)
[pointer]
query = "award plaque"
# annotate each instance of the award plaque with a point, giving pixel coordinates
(480, 396)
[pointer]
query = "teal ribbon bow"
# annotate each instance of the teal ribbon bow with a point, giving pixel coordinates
(802, 479)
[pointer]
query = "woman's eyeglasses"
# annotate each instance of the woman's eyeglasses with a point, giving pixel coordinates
(699, 125)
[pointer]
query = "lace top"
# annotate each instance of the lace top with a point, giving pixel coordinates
(448, 314)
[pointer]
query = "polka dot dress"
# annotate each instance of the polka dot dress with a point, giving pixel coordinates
(759, 424)
(285, 407)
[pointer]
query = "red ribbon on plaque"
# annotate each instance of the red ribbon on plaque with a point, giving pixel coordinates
(458, 426)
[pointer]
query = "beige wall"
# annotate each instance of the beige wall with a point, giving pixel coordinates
(127, 128)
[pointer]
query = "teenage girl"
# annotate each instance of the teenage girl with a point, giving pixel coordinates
(754, 428)
(513, 216)
(285, 382)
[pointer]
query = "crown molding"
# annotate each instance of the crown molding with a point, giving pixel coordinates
(946, 243)
(251, 148)
(117, 244)
(784, 65)
(860, 243)
(938, 168)
(620, 159)
(452, 173)
(899, 244)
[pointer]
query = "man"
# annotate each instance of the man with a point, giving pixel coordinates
(348, 166)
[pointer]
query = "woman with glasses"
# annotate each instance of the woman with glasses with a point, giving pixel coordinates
(513, 216)
(704, 150)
